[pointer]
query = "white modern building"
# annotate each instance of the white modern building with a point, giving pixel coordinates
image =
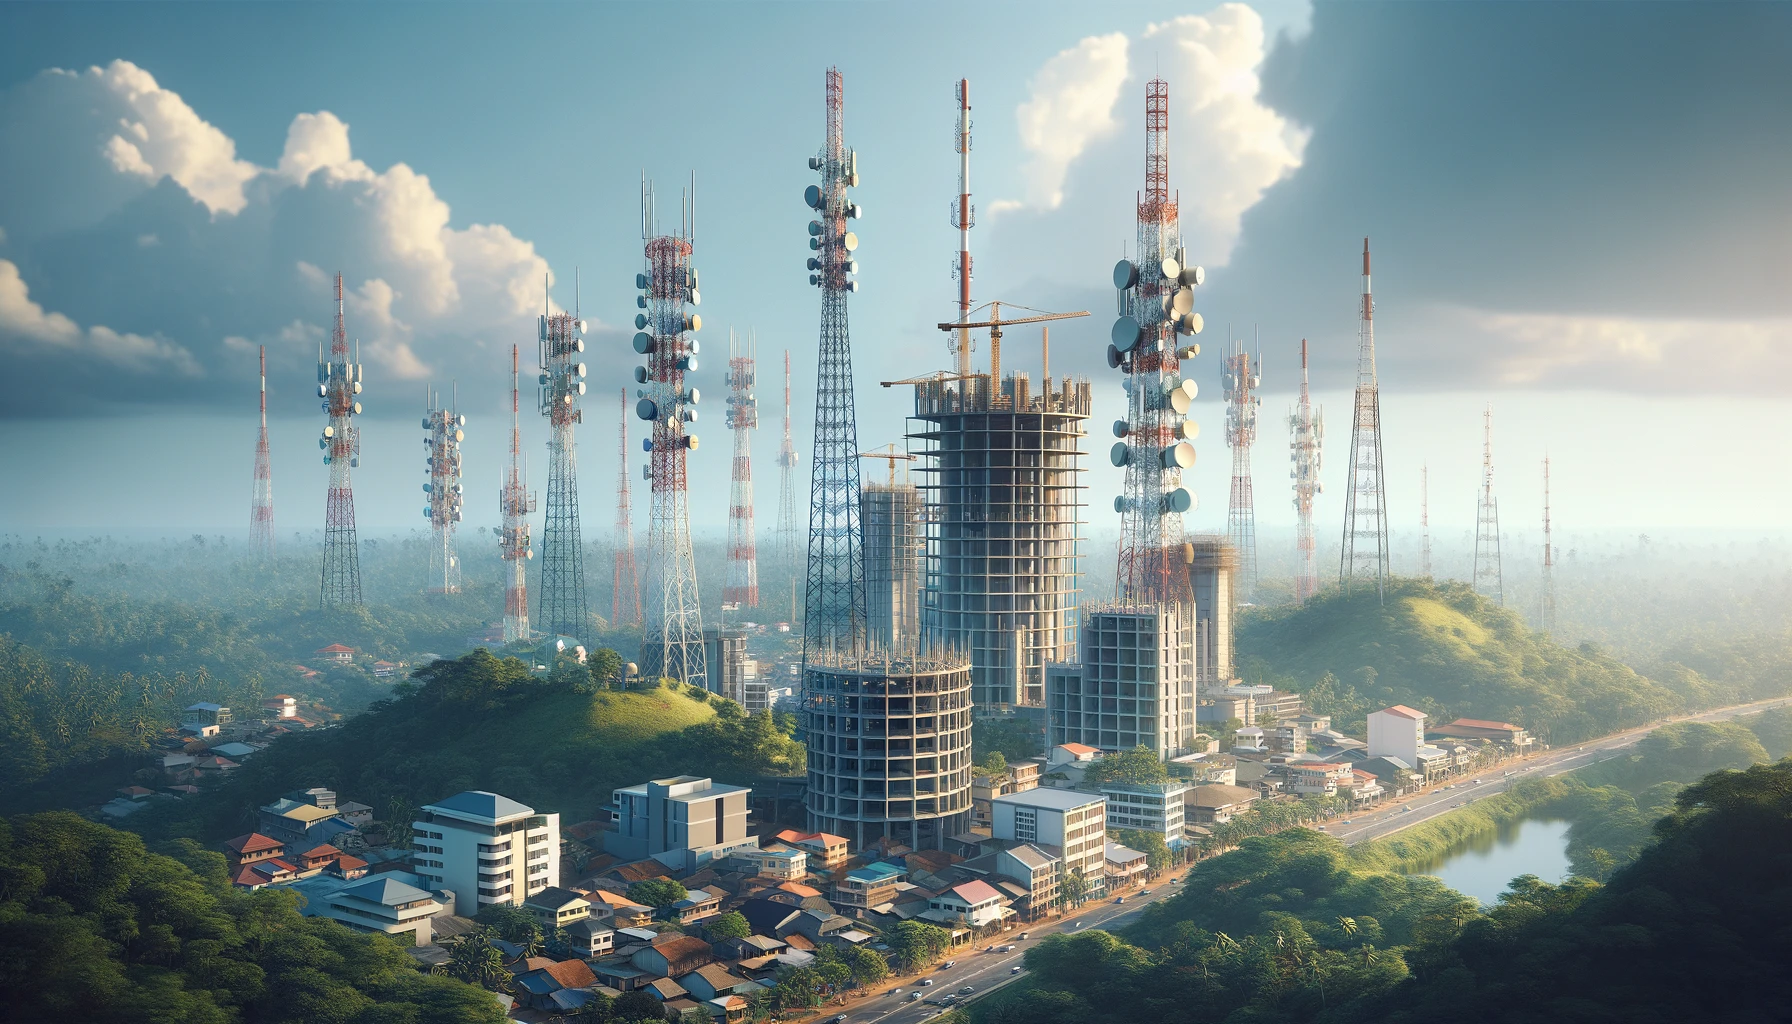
(384, 904)
(1135, 685)
(1398, 731)
(1074, 822)
(486, 849)
(1151, 807)
(685, 821)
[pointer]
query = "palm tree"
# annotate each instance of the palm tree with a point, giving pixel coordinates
(1347, 925)
(474, 959)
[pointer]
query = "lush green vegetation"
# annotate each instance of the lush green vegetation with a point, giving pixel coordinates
(95, 928)
(484, 722)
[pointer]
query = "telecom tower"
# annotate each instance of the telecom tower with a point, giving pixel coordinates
(1365, 551)
(261, 504)
(673, 643)
(338, 382)
(625, 588)
(788, 545)
(834, 588)
(1157, 299)
(444, 490)
(515, 505)
(1306, 427)
(1487, 521)
(1425, 521)
(964, 217)
(741, 589)
(1240, 380)
(560, 343)
(1546, 620)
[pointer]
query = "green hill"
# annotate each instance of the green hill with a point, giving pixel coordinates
(481, 722)
(1445, 650)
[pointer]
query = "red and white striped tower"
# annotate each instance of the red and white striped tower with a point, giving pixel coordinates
(1364, 555)
(1306, 428)
(625, 587)
(1241, 378)
(338, 382)
(740, 588)
(964, 217)
(515, 504)
(787, 540)
(261, 506)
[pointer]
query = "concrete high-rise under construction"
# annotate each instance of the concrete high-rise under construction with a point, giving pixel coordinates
(892, 516)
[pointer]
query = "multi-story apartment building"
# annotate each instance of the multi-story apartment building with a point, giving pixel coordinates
(486, 849)
(686, 815)
(1151, 807)
(869, 886)
(1074, 822)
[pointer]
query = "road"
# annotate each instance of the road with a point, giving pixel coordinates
(983, 970)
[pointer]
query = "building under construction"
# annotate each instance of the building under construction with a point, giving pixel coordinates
(891, 516)
(1212, 575)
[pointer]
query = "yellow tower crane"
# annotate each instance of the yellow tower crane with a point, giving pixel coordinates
(892, 456)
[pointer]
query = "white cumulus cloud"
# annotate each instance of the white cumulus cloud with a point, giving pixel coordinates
(1071, 105)
(26, 326)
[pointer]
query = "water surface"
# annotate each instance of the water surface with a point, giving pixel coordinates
(1485, 866)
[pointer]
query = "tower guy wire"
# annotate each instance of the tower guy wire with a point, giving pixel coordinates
(1365, 549)
(338, 382)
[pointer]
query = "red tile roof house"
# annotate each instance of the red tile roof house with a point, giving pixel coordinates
(673, 955)
(252, 848)
(337, 653)
(536, 988)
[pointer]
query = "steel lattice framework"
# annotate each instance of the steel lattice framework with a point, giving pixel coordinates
(672, 645)
(788, 546)
(261, 504)
(444, 491)
(560, 338)
(1488, 582)
(1365, 552)
(625, 586)
(741, 587)
(1306, 431)
(338, 382)
(1156, 300)
(834, 590)
(515, 505)
(1546, 619)
(1425, 521)
(1240, 381)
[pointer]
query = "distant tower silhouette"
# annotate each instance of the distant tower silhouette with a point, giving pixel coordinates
(789, 545)
(261, 505)
(444, 490)
(516, 504)
(1306, 427)
(1425, 521)
(338, 382)
(834, 591)
(1487, 522)
(1240, 381)
(741, 589)
(561, 344)
(625, 588)
(1365, 554)
(1547, 617)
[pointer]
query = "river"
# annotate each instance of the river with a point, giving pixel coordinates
(1484, 867)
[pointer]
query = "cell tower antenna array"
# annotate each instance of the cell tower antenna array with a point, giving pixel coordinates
(1487, 521)
(1547, 616)
(338, 382)
(1156, 299)
(672, 644)
(515, 505)
(261, 504)
(444, 493)
(1306, 427)
(560, 340)
(964, 217)
(1240, 381)
(1425, 521)
(789, 548)
(625, 588)
(741, 589)
(1365, 554)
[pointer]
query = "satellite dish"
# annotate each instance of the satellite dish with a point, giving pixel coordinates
(696, 297)
(850, 241)
(1183, 301)
(814, 225)
(1125, 274)
(1120, 428)
(641, 281)
(643, 345)
(693, 322)
(1191, 324)
(1194, 276)
(1120, 504)
(646, 409)
(1126, 333)
(1180, 401)
(1179, 500)
(1170, 268)
(1118, 454)
(1189, 430)
(1113, 357)
(1180, 455)
(640, 321)
(812, 196)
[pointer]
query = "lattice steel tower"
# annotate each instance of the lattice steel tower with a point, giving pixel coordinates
(1240, 381)
(261, 504)
(673, 643)
(1487, 521)
(1365, 553)
(834, 588)
(338, 382)
(1306, 429)
(625, 587)
(741, 588)
(443, 492)
(1157, 299)
(515, 505)
(560, 341)
(789, 545)
(1425, 521)
(1546, 619)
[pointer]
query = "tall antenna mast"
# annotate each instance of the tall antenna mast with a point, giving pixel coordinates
(964, 217)
(338, 382)
(1240, 380)
(261, 503)
(1547, 617)
(788, 546)
(625, 587)
(1487, 522)
(444, 491)
(1365, 554)
(515, 505)
(1306, 426)
(672, 641)
(741, 589)
(1425, 521)
(560, 339)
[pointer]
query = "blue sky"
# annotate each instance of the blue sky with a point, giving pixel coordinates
(1579, 214)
